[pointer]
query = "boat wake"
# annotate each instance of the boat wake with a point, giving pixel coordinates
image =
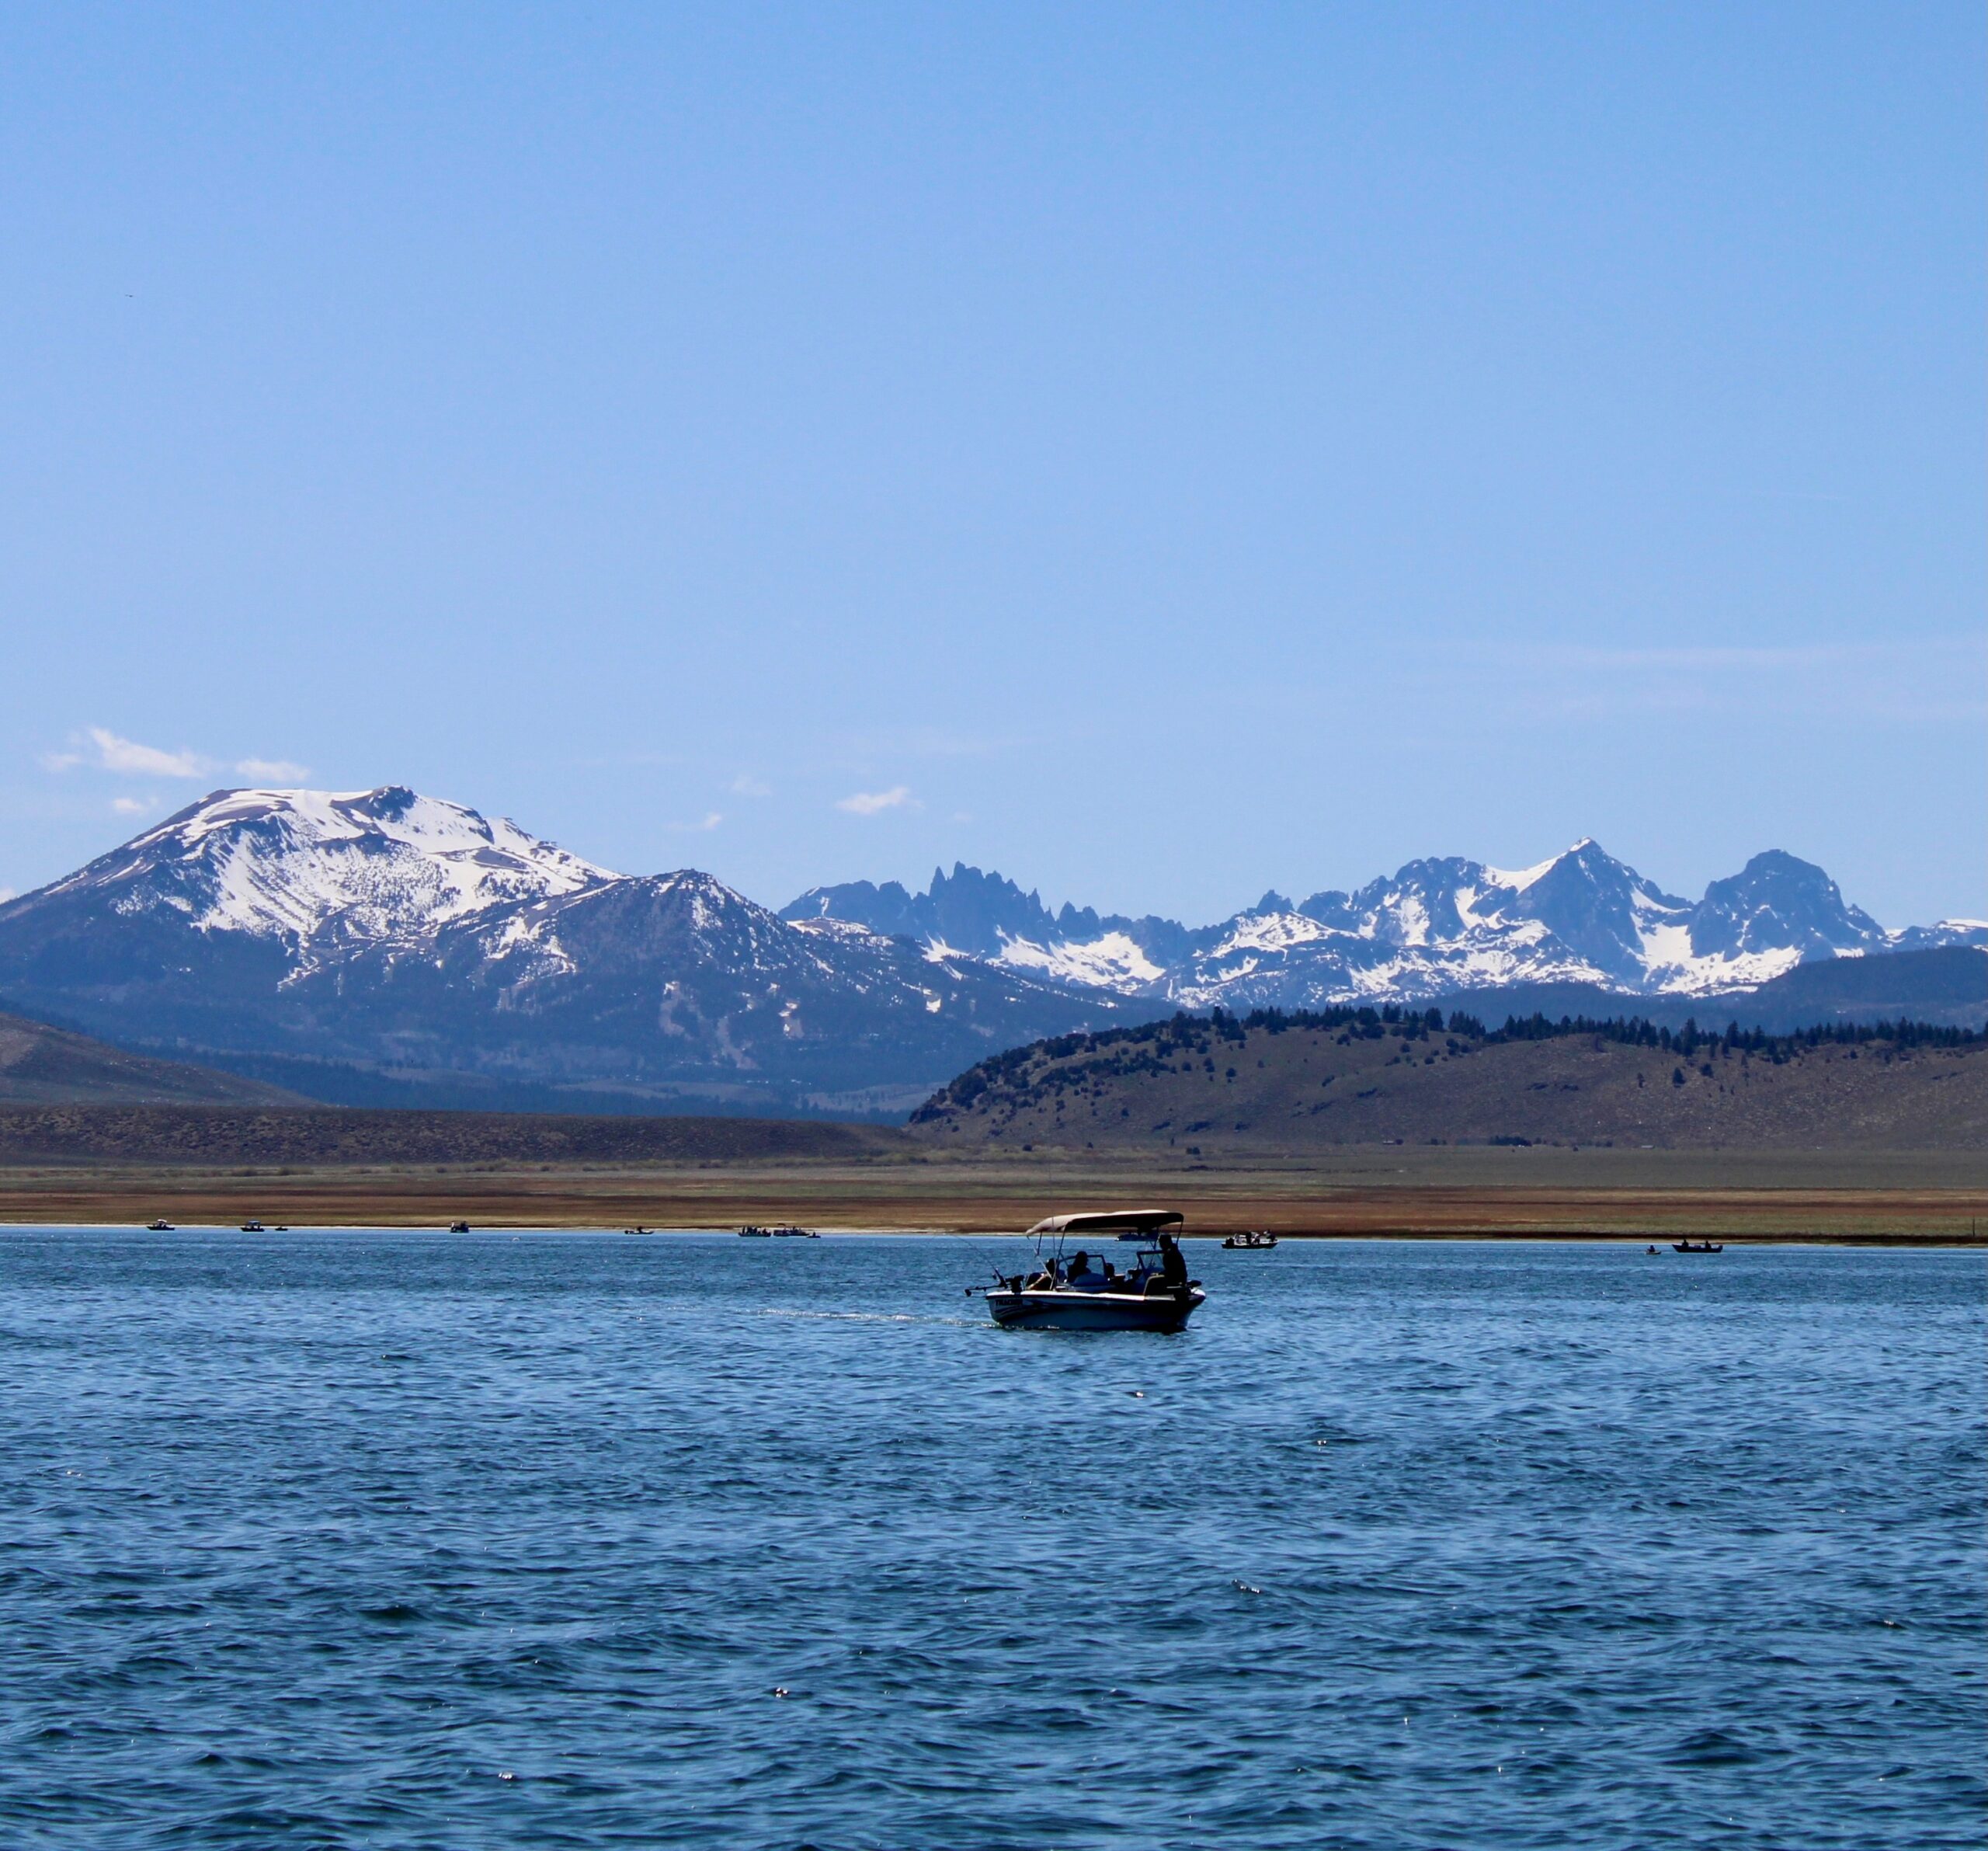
(866, 1317)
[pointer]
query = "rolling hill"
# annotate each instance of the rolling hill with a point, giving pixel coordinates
(1196, 1087)
(44, 1066)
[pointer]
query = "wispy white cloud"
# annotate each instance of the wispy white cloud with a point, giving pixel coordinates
(868, 803)
(745, 784)
(97, 749)
(114, 753)
(129, 806)
(712, 819)
(271, 770)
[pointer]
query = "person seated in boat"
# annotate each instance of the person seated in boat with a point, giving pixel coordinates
(1111, 1281)
(1080, 1275)
(1173, 1267)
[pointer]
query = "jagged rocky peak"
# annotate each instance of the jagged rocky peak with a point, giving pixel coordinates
(1779, 900)
(1600, 909)
(966, 911)
(355, 865)
(1423, 900)
(984, 914)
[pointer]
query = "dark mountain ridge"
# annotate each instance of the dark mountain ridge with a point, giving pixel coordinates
(1944, 987)
(980, 914)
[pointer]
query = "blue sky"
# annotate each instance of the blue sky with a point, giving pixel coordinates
(1161, 452)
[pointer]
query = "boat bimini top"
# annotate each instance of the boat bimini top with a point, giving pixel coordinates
(1112, 1221)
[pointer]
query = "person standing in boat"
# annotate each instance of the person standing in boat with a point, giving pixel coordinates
(1173, 1264)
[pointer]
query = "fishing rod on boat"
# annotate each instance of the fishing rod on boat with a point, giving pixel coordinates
(1001, 1278)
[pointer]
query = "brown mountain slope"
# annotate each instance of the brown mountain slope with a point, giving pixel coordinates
(41, 1066)
(1196, 1090)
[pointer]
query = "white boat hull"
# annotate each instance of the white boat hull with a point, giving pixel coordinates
(1066, 1311)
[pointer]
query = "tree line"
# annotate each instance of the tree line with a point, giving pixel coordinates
(1143, 1045)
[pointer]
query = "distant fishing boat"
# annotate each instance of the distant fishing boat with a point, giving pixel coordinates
(159, 1227)
(1068, 1294)
(756, 1234)
(1251, 1239)
(1701, 1246)
(253, 1228)
(790, 1232)
(458, 1227)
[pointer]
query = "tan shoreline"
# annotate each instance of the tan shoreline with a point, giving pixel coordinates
(1890, 1197)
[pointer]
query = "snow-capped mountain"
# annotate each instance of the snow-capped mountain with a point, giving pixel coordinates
(1433, 928)
(325, 872)
(1438, 926)
(300, 937)
(407, 937)
(985, 916)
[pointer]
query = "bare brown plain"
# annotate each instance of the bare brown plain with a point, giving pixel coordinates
(1905, 1197)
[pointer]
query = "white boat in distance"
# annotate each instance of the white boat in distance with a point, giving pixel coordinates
(1154, 1293)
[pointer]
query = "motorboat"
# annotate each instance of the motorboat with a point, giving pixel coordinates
(1250, 1240)
(253, 1228)
(159, 1227)
(1067, 1292)
(1699, 1246)
(756, 1234)
(458, 1227)
(790, 1232)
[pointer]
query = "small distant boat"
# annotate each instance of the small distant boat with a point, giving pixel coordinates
(756, 1234)
(1698, 1247)
(458, 1227)
(159, 1227)
(253, 1228)
(1156, 1294)
(638, 1229)
(280, 1228)
(791, 1233)
(1251, 1239)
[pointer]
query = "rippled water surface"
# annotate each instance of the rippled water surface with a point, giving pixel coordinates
(570, 1541)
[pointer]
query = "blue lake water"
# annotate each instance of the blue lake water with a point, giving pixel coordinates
(566, 1540)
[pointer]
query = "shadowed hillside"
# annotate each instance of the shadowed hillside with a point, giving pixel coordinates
(1194, 1086)
(39, 1065)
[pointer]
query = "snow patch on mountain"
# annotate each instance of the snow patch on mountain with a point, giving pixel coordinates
(1434, 927)
(1115, 961)
(1672, 966)
(1518, 880)
(354, 867)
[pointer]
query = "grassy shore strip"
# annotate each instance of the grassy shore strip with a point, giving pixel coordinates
(1892, 1197)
